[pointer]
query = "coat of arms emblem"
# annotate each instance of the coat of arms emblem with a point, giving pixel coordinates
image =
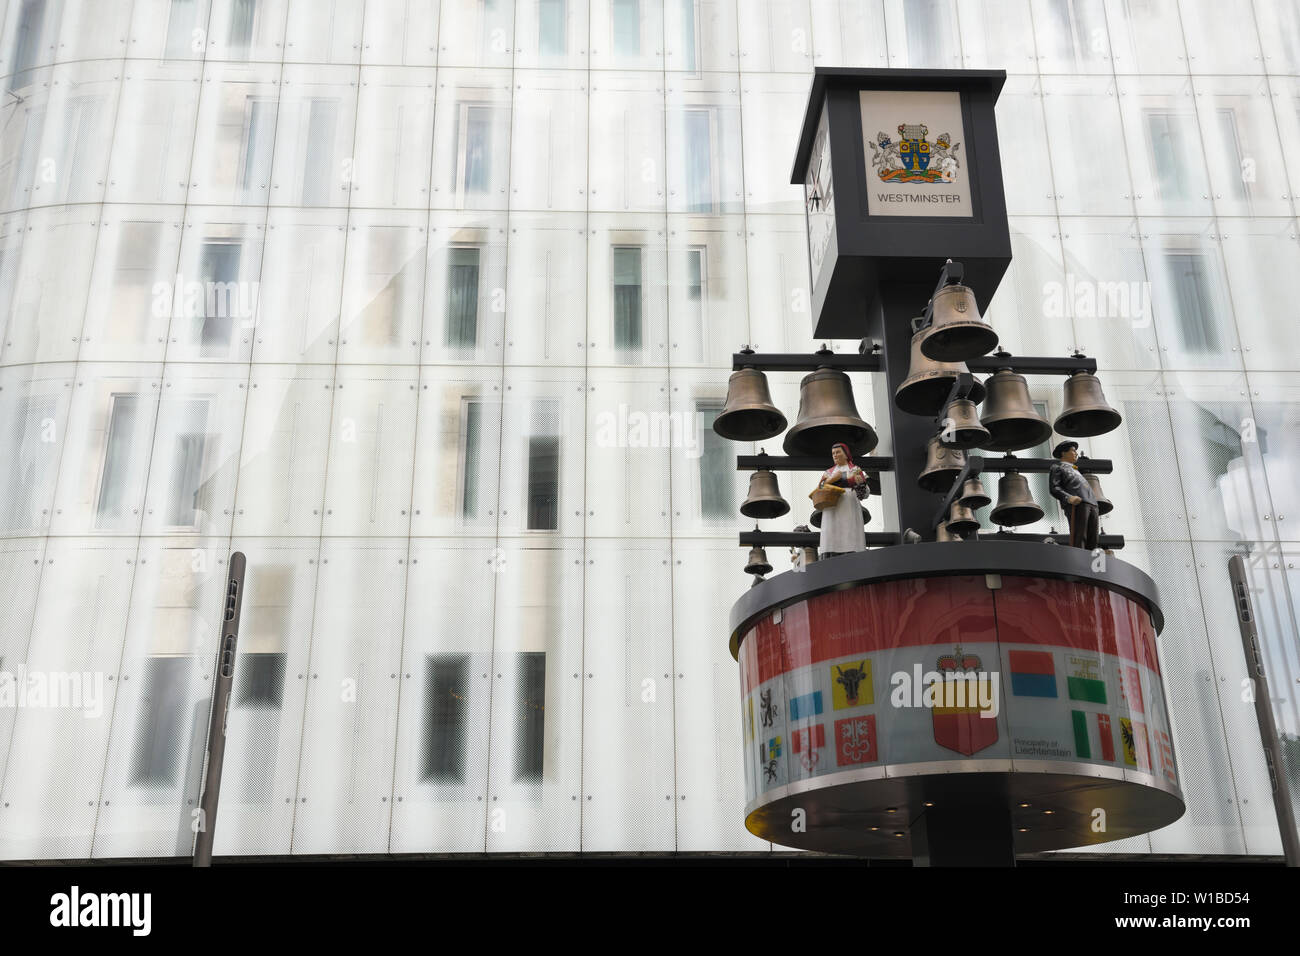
(913, 158)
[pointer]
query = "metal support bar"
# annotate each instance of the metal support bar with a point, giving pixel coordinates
(1039, 466)
(1107, 542)
(798, 362)
(873, 362)
(1032, 364)
(806, 463)
(806, 539)
(974, 465)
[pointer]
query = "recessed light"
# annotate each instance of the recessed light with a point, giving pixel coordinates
(1024, 804)
(1049, 811)
(1024, 829)
(891, 809)
(928, 803)
(898, 833)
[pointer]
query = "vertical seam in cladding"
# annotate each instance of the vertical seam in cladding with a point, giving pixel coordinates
(144, 493)
(415, 427)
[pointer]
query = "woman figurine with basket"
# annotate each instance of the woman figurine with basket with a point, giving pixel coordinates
(842, 529)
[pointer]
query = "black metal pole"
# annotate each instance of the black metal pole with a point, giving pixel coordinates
(902, 436)
(224, 679)
(1264, 711)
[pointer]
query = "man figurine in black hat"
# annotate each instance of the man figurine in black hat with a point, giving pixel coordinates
(1072, 490)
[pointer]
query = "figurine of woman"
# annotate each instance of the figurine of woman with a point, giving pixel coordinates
(842, 529)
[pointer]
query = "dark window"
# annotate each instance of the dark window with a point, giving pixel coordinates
(157, 748)
(1233, 155)
(27, 39)
(219, 273)
(550, 27)
(627, 298)
(1172, 139)
(469, 503)
(690, 13)
(717, 466)
(699, 160)
(181, 23)
(1194, 292)
(476, 142)
(118, 477)
(446, 717)
(259, 142)
(187, 464)
(242, 14)
(627, 27)
(318, 158)
(462, 298)
(530, 744)
(259, 680)
(925, 22)
(544, 468)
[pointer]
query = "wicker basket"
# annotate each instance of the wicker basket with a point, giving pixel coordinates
(827, 496)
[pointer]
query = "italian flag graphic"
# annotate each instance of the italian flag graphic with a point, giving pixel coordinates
(1094, 738)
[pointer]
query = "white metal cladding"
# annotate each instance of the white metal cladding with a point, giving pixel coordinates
(423, 307)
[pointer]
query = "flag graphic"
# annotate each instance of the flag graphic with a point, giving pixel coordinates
(809, 705)
(1165, 748)
(855, 740)
(774, 748)
(1130, 688)
(1137, 748)
(1084, 682)
(1092, 735)
(851, 684)
(1107, 737)
(1033, 674)
(749, 718)
(958, 724)
(808, 738)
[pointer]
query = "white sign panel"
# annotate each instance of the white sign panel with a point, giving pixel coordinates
(915, 162)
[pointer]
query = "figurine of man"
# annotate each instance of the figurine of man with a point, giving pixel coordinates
(1072, 490)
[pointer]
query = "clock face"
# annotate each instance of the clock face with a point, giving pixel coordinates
(819, 197)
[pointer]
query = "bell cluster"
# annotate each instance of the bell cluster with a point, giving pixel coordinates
(939, 385)
(950, 342)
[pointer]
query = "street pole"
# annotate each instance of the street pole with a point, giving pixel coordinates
(1264, 710)
(224, 680)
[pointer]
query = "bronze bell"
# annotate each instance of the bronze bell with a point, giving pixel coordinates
(764, 499)
(961, 425)
(757, 561)
(961, 519)
(956, 331)
(1015, 505)
(942, 466)
(1010, 416)
(1104, 505)
(1085, 412)
(816, 519)
(943, 533)
(928, 383)
(749, 414)
(828, 415)
(973, 495)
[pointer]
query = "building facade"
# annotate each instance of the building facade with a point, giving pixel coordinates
(427, 307)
